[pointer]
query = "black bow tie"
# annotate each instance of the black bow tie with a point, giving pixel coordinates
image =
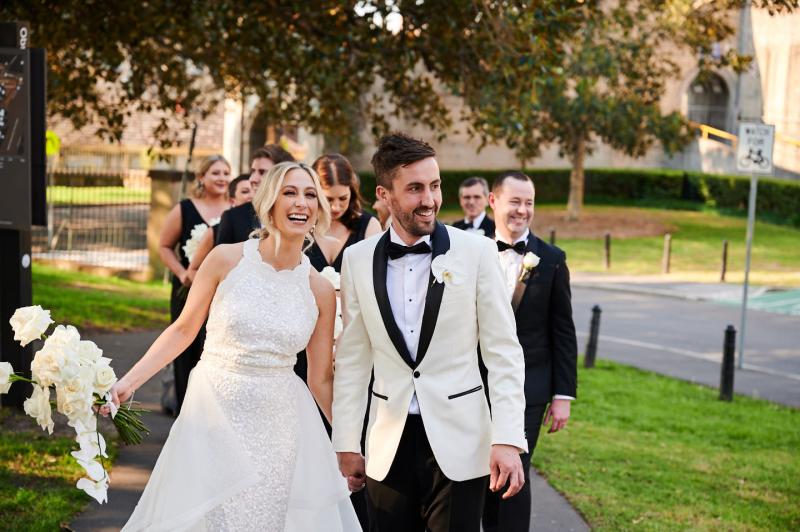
(519, 247)
(395, 250)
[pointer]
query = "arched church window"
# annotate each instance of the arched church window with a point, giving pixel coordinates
(708, 101)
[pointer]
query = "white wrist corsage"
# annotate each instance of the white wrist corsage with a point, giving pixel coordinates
(445, 270)
(529, 263)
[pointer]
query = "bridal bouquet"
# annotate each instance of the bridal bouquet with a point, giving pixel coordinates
(333, 276)
(195, 236)
(81, 377)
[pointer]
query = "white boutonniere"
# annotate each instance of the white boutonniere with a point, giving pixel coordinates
(529, 262)
(445, 270)
(477, 231)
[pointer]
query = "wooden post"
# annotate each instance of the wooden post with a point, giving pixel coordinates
(552, 236)
(724, 261)
(665, 259)
(607, 251)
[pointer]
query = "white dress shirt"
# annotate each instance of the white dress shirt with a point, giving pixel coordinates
(511, 261)
(407, 285)
(476, 223)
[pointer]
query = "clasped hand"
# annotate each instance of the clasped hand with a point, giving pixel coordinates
(505, 466)
(352, 467)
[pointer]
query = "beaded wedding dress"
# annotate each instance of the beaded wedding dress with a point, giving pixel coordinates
(249, 450)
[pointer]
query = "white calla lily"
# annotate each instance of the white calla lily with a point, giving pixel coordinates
(6, 371)
(445, 270)
(98, 490)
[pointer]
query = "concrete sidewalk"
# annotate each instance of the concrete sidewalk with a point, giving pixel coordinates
(551, 511)
(778, 300)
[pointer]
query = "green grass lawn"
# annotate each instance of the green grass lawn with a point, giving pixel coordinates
(653, 453)
(90, 301)
(96, 195)
(696, 247)
(38, 476)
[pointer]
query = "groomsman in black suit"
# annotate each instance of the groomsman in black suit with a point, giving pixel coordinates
(237, 223)
(473, 195)
(543, 309)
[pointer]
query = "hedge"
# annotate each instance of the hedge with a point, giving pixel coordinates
(778, 200)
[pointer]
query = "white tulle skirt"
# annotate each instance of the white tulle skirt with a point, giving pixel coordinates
(248, 452)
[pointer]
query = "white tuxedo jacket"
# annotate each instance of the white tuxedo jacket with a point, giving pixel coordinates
(445, 375)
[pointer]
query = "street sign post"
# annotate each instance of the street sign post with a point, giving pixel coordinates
(754, 157)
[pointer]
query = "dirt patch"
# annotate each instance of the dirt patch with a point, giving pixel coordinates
(627, 223)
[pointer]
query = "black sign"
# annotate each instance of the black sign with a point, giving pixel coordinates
(15, 160)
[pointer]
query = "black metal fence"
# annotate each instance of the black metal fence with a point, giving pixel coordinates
(98, 203)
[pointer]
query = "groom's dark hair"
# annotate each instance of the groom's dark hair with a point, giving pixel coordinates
(394, 151)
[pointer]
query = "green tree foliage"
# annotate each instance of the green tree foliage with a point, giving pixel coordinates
(530, 73)
(310, 62)
(571, 73)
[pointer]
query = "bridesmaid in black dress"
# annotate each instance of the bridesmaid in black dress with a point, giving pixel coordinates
(349, 224)
(208, 202)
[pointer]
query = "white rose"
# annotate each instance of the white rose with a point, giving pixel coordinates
(331, 275)
(46, 366)
(74, 396)
(104, 377)
(38, 406)
(59, 359)
(76, 408)
(5, 376)
(89, 353)
(530, 260)
(68, 339)
(29, 323)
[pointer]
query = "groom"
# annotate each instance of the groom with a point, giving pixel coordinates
(417, 301)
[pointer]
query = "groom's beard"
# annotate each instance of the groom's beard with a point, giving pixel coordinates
(411, 222)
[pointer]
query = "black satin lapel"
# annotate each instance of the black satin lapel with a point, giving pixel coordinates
(379, 260)
(533, 244)
(433, 299)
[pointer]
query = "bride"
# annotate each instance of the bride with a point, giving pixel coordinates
(249, 450)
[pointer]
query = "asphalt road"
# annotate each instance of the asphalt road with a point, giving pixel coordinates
(683, 339)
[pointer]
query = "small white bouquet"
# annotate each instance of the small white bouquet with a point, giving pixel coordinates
(81, 378)
(196, 235)
(335, 279)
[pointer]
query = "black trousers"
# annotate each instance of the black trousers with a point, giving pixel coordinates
(514, 514)
(187, 360)
(417, 496)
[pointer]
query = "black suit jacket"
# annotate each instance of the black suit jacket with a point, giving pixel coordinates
(487, 225)
(236, 224)
(545, 327)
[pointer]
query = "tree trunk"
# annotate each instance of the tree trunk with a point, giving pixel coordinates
(576, 181)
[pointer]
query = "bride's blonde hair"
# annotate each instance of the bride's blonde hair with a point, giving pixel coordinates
(267, 195)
